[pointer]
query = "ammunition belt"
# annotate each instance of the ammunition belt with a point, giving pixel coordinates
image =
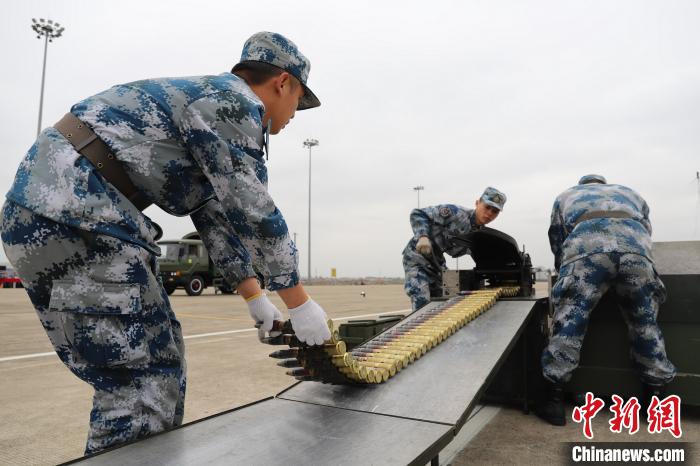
(380, 358)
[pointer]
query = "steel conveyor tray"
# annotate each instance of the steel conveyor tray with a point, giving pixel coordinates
(281, 432)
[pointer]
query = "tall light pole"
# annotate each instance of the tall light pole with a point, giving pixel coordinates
(49, 31)
(418, 189)
(310, 143)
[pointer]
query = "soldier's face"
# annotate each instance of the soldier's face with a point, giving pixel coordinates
(288, 93)
(485, 213)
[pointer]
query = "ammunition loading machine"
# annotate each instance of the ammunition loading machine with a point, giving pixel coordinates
(498, 260)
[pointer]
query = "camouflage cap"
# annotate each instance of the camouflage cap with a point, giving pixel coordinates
(276, 50)
(494, 198)
(592, 179)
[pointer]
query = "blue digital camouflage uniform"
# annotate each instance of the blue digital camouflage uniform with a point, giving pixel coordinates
(593, 254)
(441, 224)
(86, 255)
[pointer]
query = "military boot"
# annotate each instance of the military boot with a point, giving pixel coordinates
(551, 409)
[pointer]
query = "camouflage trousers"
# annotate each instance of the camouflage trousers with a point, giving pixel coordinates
(421, 276)
(109, 320)
(639, 292)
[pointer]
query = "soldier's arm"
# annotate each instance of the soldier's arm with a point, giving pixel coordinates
(221, 132)
(225, 249)
(423, 219)
(556, 234)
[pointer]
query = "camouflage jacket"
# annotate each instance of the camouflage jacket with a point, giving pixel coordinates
(572, 238)
(443, 224)
(193, 146)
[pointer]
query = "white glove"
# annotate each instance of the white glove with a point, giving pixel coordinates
(423, 246)
(309, 323)
(263, 312)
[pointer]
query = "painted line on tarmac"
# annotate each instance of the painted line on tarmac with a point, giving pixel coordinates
(203, 335)
(214, 334)
(27, 356)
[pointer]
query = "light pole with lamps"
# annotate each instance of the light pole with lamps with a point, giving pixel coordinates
(50, 31)
(418, 189)
(310, 143)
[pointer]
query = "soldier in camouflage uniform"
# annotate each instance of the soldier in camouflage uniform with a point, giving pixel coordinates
(601, 239)
(86, 253)
(434, 230)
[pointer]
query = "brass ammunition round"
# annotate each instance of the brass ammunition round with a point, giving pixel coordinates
(402, 358)
(399, 361)
(439, 332)
(385, 376)
(424, 327)
(336, 348)
(396, 363)
(420, 346)
(416, 336)
(404, 342)
(437, 335)
(427, 342)
(407, 355)
(437, 325)
(376, 374)
(335, 336)
(431, 340)
(344, 360)
(380, 365)
(331, 325)
(410, 336)
(361, 371)
(417, 351)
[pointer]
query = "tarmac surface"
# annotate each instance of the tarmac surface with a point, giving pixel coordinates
(44, 409)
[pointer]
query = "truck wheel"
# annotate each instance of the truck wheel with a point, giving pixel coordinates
(195, 285)
(169, 289)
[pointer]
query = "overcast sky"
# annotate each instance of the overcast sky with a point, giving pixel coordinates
(450, 95)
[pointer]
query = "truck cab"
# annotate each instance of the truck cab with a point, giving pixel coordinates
(186, 264)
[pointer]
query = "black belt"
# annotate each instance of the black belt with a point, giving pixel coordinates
(89, 145)
(602, 214)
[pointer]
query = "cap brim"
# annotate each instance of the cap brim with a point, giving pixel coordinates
(308, 100)
(492, 204)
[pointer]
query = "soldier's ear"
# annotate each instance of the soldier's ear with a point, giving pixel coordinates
(282, 81)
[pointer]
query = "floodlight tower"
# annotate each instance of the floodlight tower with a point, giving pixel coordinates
(418, 189)
(310, 143)
(49, 31)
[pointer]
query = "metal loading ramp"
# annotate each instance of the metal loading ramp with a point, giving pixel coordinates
(406, 420)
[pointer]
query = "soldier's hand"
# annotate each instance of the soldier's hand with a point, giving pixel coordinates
(263, 311)
(423, 246)
(309, 322)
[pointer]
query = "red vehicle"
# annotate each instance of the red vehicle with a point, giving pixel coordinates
(8, 278)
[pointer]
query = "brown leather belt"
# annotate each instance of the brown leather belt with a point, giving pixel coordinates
(90, 146)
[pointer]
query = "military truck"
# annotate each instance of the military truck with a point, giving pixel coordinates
(185, 263)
